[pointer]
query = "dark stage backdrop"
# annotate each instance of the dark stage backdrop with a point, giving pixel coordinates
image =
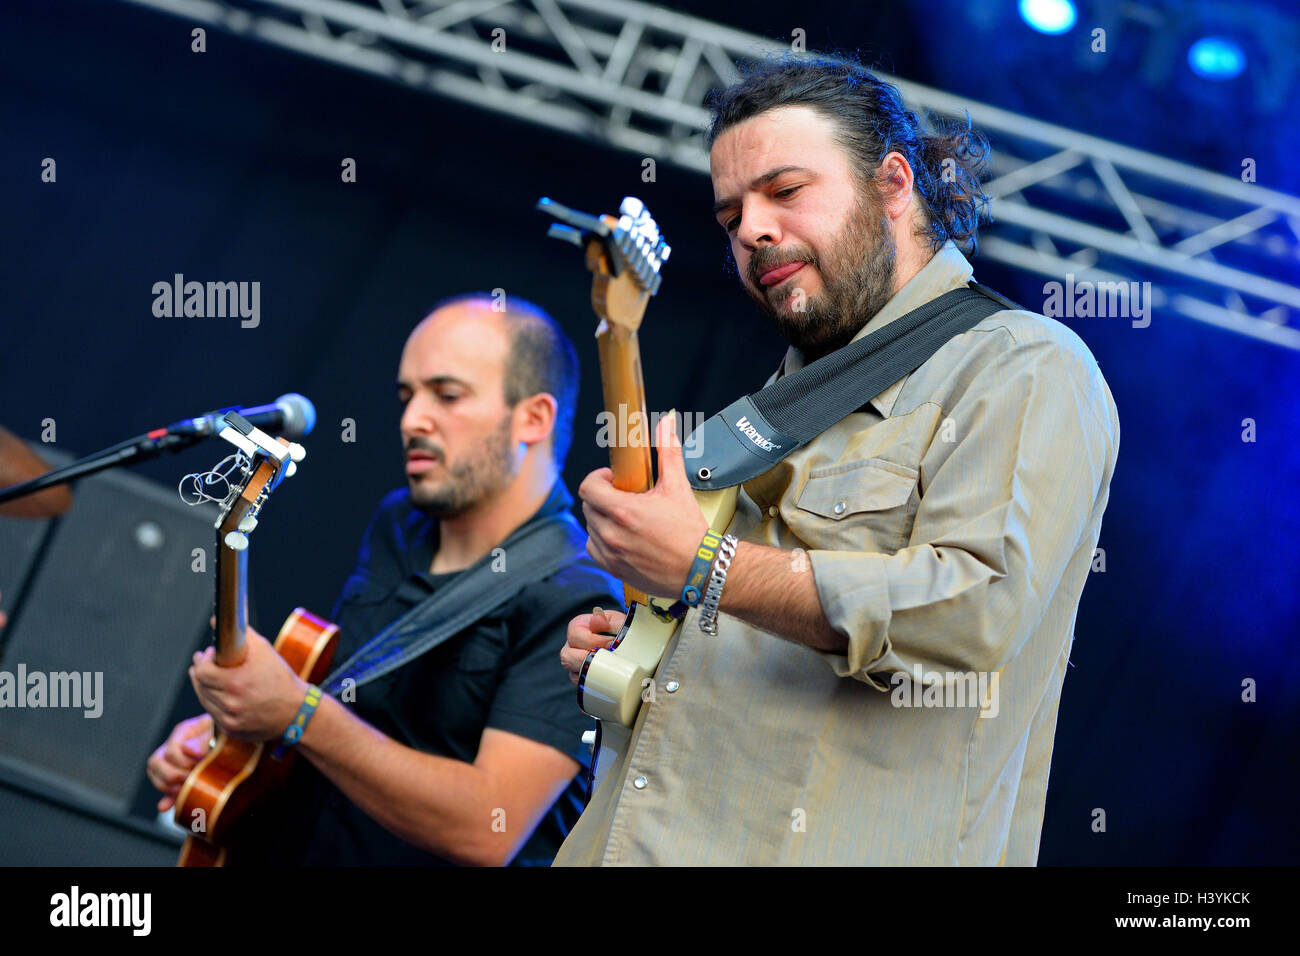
(226, 166)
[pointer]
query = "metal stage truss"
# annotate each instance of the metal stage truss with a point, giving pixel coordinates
(1214, 247)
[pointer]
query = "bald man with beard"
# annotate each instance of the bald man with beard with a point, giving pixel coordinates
(469, 753)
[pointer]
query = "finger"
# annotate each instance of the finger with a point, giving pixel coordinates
(604, 622)
(164, 776)
(600, 526)
(175, 754)
(166, 803)
(169, 779)
(600, 554)
(598, 489)
(573, 658)
(601, 476)
(672, 467)
(198, 728)
(586, 640)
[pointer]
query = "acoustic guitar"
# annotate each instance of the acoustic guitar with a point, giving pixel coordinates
(624, 254)
(235, 774)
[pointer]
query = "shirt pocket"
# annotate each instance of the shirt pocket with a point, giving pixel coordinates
(865, 505)
(482, 651)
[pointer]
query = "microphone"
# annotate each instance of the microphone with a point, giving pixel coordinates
(291, 415)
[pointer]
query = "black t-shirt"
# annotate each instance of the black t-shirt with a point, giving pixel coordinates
(502, 672)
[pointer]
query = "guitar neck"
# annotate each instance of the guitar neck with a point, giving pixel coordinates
(231, 604)
(232, 569)
(624, 388)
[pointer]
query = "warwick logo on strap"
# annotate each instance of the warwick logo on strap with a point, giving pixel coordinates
(752, 433)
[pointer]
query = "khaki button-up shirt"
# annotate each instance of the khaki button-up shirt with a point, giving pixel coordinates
(949, 525)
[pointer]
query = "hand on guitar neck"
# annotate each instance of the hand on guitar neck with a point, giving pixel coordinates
(255, 700)
(647, 540)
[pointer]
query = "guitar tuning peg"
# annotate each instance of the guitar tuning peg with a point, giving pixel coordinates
(663, 255)
(290, 469)
(247, 524)
(296, 451)
(236, 541)
(631, 207)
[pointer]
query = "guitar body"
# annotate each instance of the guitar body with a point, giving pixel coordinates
(612, 681)
(235, 774)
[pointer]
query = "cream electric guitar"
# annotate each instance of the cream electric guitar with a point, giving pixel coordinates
(624, 254)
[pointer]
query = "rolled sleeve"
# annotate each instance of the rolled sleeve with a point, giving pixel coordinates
(1002, 510)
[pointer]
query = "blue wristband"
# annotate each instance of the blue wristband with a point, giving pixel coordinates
(699, 573)
(293, 733)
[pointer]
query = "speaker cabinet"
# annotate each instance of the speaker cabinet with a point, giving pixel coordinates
(110, 593)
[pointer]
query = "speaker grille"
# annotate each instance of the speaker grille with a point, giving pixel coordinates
(115, 595)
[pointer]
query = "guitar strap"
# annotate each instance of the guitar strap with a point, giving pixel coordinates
(535, 550)
(754, 433)
(742, 441)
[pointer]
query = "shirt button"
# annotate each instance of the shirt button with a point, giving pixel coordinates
(640, 783)
(839, 507)
(672, 686)
(773, 511)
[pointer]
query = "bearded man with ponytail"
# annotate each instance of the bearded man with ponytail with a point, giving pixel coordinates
(880, 680)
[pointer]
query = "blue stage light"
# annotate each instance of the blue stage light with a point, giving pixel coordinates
(1048, 16)
(1216, 58)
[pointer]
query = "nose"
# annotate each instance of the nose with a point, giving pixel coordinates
(758, 223)
(417, 418)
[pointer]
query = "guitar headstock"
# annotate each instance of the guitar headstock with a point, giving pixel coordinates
(624, 254)
(241, 483)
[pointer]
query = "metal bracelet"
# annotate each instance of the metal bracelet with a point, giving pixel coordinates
(713, 593)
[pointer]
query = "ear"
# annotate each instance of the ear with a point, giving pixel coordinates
(535, 418)
(895, 182)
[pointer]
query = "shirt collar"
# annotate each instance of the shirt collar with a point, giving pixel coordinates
(948, 269)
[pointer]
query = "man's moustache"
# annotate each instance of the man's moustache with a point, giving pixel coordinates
(427, 449)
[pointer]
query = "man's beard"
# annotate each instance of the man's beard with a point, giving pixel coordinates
(857, 280)
(485, 470)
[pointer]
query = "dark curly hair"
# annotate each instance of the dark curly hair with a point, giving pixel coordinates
(870, 122)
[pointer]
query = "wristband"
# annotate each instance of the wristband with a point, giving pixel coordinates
(699, 573)
(693, 592)
(293, 733)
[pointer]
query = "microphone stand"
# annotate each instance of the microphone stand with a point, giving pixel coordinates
(141, 448)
